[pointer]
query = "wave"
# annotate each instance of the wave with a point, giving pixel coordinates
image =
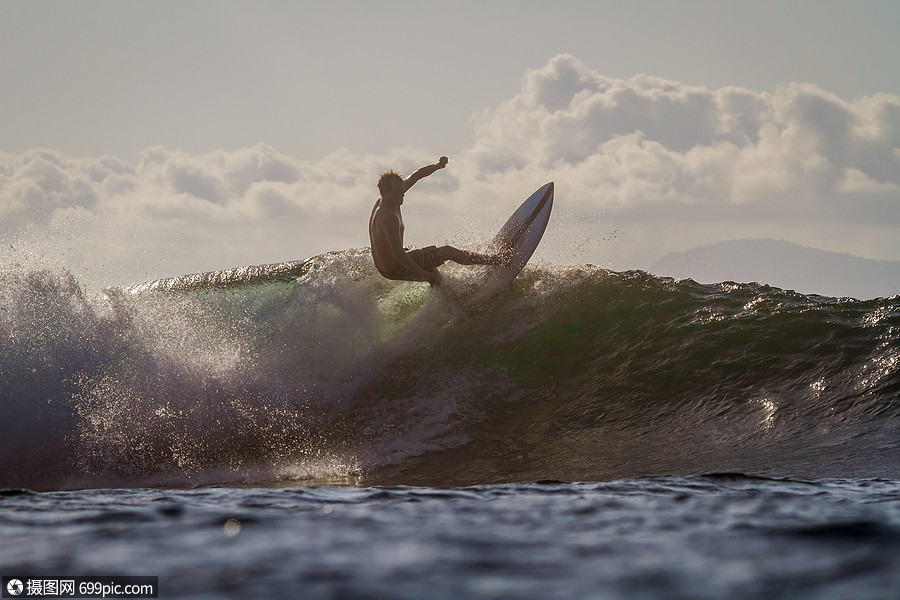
(321, 370)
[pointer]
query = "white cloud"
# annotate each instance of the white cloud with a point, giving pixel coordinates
(650, 141)
(661, 157)
(857, 182)
(35, 184)
(175, 212)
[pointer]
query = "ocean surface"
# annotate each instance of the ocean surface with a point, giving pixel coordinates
(313, 430)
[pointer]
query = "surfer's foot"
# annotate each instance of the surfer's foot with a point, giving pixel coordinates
(499, 260)
(494, 260)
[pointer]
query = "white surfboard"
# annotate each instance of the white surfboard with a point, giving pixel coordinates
(517, 239)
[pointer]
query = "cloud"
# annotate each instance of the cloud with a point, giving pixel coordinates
(173, 212)
(855, 181)
(663, 158)
(35, 184)
(647, 141)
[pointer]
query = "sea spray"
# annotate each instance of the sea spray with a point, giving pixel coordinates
(324, 370)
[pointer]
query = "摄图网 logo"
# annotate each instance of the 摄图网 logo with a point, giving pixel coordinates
(14, 587)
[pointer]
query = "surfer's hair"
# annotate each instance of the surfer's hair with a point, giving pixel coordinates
(385, 181)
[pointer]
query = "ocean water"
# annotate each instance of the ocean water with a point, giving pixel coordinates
(313, 430)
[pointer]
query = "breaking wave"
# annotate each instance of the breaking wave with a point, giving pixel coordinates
(321, 370)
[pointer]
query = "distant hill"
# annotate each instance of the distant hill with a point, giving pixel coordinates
(784, 265)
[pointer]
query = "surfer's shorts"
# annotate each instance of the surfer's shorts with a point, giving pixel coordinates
(428, 258)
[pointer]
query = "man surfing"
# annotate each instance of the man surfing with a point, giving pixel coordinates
(386, 235)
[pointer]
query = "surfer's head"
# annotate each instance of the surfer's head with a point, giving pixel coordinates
(390, 183)
(389, 180)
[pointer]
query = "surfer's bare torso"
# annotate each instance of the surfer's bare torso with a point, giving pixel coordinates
(381, 233)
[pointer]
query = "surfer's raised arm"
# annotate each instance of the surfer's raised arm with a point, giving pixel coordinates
(424, 172)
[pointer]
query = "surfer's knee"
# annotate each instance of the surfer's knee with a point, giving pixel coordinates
(462, 257)
(454, 254)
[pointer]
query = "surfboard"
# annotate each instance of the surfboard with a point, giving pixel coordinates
(516, 241)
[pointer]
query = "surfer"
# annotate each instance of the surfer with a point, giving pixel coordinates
(386, 235)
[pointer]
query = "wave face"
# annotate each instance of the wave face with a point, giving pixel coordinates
(322, 370)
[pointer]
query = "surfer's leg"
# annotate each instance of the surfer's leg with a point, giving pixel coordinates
(464, 257)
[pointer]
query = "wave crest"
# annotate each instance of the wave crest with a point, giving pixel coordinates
(323, 370)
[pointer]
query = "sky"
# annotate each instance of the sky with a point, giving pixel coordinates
(148, 139)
